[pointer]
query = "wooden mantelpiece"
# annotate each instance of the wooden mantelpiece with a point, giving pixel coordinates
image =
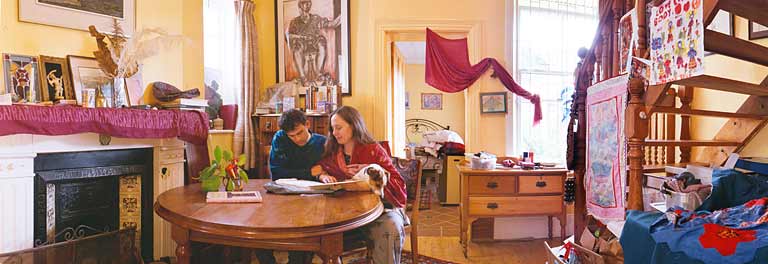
(17, 153)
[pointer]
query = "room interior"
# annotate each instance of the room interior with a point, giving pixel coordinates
(648, 130)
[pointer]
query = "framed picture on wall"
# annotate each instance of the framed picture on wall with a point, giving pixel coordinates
(55, 83)
(757, 31)
(21, 78)
(79, 14)
(313, 42)
(432, 101)
(493, 102)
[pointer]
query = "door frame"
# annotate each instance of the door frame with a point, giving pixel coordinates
(385, 29)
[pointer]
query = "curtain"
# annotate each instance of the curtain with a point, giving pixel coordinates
(448, 69)
(248, 89)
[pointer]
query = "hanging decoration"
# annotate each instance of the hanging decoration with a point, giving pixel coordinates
(448, 69)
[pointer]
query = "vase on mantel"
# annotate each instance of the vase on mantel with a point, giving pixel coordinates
(119, 93)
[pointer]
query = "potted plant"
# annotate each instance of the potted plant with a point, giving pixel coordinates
(224, 170)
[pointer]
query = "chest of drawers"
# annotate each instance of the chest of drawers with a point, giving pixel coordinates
(510, 192)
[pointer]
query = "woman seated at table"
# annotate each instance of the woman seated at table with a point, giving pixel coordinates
(350, 148)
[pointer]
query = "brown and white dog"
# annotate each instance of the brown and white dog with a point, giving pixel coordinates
(376, 176)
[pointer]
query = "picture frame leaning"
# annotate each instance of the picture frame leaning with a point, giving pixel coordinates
(21, 78)
(79, 15)
(313, 43)
(54, 75)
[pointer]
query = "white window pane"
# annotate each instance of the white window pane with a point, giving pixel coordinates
(549, 35)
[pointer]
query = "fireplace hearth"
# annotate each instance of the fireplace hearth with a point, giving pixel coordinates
(79, 194)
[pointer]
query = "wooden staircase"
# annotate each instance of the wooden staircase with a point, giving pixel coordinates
(743, 124)
(653, 114)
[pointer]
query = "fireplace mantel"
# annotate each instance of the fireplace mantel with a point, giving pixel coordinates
(17, 153)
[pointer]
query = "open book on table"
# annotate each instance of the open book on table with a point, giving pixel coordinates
(348, 185)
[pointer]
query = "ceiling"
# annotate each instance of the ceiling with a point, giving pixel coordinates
(413, 51)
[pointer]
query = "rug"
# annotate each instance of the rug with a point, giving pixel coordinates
(406, 259)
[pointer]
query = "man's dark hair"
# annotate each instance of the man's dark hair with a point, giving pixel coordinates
(292, 118)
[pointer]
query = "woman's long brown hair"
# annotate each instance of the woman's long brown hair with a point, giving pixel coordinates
(360, 133)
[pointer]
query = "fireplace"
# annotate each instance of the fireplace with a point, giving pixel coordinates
(78, 194)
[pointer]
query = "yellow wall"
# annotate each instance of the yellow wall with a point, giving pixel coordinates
(364, 16)
(452, 113)
(718, 65)
(182, 66)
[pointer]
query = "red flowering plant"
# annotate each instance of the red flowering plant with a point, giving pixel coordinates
(224, 169)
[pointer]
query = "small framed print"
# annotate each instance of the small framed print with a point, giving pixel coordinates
(432, 101)
(86, 74)
(493, 102)
(21, 78)
(757, 31)
(55, 83)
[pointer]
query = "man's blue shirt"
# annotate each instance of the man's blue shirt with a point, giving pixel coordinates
(288, 160)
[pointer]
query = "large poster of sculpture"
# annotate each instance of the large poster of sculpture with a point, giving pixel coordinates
(677, 41)
(606, 148)
(313, 42)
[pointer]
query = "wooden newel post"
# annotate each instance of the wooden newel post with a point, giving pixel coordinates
(636, 129)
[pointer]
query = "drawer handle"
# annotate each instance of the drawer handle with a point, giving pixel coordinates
(268, 125)
(541, 184)
(492, 205)
(492, 185)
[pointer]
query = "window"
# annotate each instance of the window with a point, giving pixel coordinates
(550, 32)
(221, 58)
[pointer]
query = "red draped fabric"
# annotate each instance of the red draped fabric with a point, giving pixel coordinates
(189, 126)
(448, 69)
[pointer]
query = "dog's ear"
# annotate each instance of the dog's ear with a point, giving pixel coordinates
(374, 174)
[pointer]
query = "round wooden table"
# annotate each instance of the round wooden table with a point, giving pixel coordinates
(282, 222)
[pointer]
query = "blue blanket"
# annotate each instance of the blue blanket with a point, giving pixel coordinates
(735, 235)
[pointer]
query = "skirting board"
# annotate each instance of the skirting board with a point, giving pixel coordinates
(530, 227)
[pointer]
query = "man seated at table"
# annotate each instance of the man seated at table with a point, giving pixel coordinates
(295, 150)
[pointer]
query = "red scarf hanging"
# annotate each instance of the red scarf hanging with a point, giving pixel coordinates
(448, 69)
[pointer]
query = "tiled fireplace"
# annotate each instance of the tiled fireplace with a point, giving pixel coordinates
(58, 187)
(84, 193)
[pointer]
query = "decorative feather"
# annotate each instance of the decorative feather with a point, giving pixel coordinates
(147, 43)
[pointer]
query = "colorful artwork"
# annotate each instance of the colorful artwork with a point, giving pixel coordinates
(493, 102)
(431, 101)
(606, 151)
(627, 39)
(21, 78)
(677, 41)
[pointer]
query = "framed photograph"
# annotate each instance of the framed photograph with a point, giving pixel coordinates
(86, 74)
(55, 83)
(21, 78)
(432, 101)
(407, 100)
(79, 14)
(757, 31)
(493, 102)
(313, 42)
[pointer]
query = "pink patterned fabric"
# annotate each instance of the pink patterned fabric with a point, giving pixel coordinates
(189, 126)
(448, 70)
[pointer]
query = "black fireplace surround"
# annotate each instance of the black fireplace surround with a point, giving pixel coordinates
(86, 190)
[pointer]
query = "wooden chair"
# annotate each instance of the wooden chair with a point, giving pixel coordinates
(410, 169)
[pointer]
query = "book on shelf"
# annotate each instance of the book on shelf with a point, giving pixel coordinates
(348, 185)
(233, 197)
(187, 102)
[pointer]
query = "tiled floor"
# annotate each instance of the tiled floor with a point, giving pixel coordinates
(439, 221)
